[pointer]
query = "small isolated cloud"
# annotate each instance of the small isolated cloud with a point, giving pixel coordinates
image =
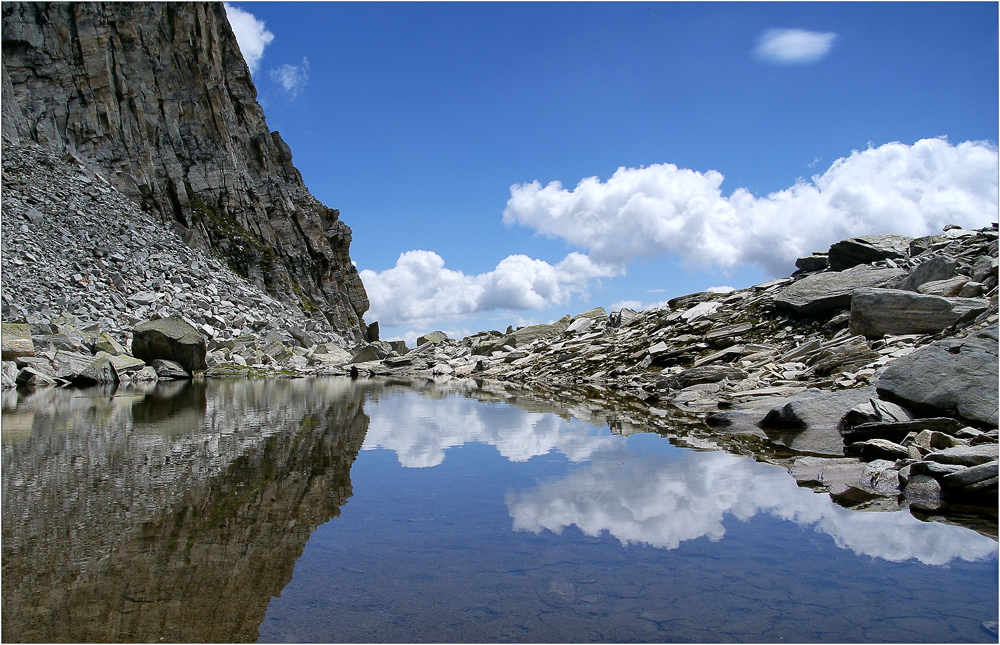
(420, 290)
(794, 46)
(251, 34)
(292, 78)
(644, 212)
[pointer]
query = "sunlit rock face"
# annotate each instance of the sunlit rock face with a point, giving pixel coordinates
(158, 98)
(176, 513)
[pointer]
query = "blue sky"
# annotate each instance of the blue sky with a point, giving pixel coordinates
(695, 145)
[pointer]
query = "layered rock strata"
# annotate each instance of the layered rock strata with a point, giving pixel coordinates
(156, 97)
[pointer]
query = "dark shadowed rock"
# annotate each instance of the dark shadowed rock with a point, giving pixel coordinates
(826, 292)
(171, 339)
(877, 312)
(869, 248)
(897, 430)
(956, 377)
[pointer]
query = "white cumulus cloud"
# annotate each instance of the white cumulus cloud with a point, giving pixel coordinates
(420, 290)
(292, 78)
(794, 46)
(647, 211)
(251, 34)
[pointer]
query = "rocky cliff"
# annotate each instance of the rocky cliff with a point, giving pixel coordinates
(158, 99)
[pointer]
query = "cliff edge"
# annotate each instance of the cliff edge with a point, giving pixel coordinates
(158, 98)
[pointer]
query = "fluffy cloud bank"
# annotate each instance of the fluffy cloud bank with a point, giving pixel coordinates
(894, 188)
(251, 34)
(794, 46)
(420, 290)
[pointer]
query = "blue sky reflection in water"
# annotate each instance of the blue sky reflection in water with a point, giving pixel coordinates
(479, 522)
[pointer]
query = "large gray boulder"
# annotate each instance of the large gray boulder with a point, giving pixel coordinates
(937, 268)
(826, 292)
(869, 248)
(956, 378)
(171, 339)
(877, 312)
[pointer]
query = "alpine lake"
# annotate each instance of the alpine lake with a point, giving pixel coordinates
(339, 510)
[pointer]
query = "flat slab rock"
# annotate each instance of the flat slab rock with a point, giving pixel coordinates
(869, 248)
(877, 312)
(831, 290)
(955, 377)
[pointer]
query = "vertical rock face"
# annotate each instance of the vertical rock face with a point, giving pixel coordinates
(158, 97)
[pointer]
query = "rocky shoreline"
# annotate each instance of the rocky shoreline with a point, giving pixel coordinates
(875, 363)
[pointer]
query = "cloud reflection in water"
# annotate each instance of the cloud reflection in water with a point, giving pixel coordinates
(649, 500)
(643, 497)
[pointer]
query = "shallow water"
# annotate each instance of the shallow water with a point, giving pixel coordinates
(326, 510)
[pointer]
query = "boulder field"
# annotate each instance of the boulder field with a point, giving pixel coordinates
(870, 372)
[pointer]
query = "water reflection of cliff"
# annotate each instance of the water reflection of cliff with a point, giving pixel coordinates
(170, 514)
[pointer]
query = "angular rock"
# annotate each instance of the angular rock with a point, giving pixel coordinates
(125, 364)
(527, 335)
(171, 339)
(105, 343)
(869, 248)
(811, 418)
(32, 378)
(399, 346)
(100, 370)
(433, 337)
(936, 268)
(16, 341)
(369, 353)
(897, 430)
(877, 449)
(971, 475)
(828, 291)
(814, 262)
(945, 288)
(965, 455)
(704, 374)
(877, 312)
(873, 411)
(955, 377)
(168, 370)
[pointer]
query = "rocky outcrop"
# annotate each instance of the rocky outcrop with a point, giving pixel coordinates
(954, 377)
(157, 99)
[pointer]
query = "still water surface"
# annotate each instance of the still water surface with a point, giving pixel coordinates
(326, 510)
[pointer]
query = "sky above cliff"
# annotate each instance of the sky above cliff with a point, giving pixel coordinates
(509, 163)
